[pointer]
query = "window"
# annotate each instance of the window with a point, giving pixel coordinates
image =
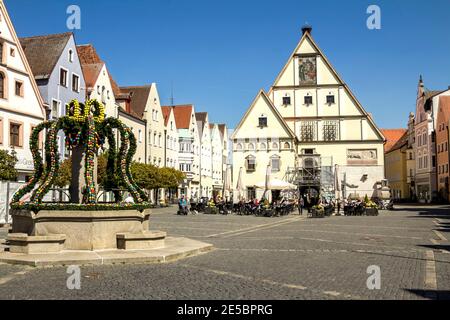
(63, 77)
(251, 193)
(2, 85)
(15, 135)
(239, 146)
(263, 122)
(286, 101)
(330, 99)
(275, 163)
(308, 100)
(140, 136)
(308, 151)
(250, 163)
(330, 130)
(70, 55)
(55, 109)
(19, 88)
(103, 95)
(12, 52)
(274, 146)
(433, 161)
(308, 131)
(263, 146)
(287, 145)
(251, 147)
(1, 52)
(75, 83)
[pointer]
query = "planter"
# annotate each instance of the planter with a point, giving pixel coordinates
(372, 212)
(317, 213)
(211, 210)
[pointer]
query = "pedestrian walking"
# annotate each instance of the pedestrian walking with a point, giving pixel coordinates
(301, 205)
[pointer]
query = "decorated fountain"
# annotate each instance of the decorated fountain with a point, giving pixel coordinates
(62, 229)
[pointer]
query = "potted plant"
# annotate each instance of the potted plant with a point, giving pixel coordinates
(318, 211)
(371, 207)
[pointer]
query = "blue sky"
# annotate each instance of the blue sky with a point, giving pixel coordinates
(218, 54)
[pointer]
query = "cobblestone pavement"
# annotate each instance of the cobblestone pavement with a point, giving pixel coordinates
(271, 258)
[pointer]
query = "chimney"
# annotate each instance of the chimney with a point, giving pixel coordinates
(307, 28)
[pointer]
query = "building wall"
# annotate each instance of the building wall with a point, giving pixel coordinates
(155, 120)
(172, 143)
(138, 127)
(103, 92)
(217, 160)
(53, 91)
(396, 173)
(26, 110)
(443, 163)
(206, 162)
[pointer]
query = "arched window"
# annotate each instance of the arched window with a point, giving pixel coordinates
(275, 146)
(70, 55)
(239, 146)
(287, 145)
(251, 146)
(263, 146)
(2, 85)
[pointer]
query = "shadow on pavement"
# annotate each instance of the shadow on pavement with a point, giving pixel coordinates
(431, 294)
(436, 246)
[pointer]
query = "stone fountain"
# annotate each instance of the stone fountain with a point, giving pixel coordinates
(84, 231)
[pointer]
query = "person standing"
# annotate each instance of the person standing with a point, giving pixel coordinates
(301, 204)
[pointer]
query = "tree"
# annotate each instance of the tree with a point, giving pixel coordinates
(171, 178)
(64, 176)
(7, 166)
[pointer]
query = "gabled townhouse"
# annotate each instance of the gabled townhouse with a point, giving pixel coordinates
(396, 162)
(227, 148)
(21, 105)
(205, 154)
(98, 80)
(411, 158)
(57, 70)
(145, 104)
(170, 138)
(427, 106)
(189, 150)
(442, 148)
(129, 102)
(217, 160)
(331, 125)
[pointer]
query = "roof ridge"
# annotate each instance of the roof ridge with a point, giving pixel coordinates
(47, 36)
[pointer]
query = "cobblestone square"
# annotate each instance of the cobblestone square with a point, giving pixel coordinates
(270, 258)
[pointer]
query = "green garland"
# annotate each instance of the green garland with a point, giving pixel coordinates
(81, 207)
(38, 163)
(84, 125)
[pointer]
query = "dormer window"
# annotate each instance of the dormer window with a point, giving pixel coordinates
(330, 99)
(262, 122)
(308, 100)
(286, 101)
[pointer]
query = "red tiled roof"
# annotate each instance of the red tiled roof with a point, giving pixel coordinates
(91, 73)
(183, 115)
(43, 52)
(400, 143)
(392, 136)
(88, 54)
(139, 97)
(166, 114)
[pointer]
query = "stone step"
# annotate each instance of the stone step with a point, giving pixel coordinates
(140, 241)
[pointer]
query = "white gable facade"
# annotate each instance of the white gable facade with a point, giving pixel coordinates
(21, 105)
(331, 127)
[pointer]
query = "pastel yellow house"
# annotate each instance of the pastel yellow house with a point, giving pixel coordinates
(332, 128)
(396, 156)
